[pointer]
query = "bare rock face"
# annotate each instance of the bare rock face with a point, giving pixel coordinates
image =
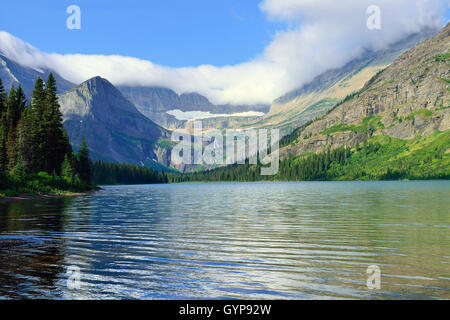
(322, 93)
(114, 129)
(409, 98)
(162, 155)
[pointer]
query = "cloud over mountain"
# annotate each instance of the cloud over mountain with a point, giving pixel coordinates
(319, 35)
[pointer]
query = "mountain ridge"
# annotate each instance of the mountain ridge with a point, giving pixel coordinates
(113, 127)
(316, 97)
(154, 102)
(409, 98)
(13, 73)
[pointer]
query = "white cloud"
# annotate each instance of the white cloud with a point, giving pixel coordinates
(321, 34)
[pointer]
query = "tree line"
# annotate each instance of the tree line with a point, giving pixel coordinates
(368, 160)
(35, 152)
(307, 168)
(104, 173)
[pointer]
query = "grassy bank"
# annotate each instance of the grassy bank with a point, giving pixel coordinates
(40, 184)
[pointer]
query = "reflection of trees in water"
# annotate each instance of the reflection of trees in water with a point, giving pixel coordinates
(31, 261)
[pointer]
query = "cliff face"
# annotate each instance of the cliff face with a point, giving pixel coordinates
(114, 129)
(156, 99)
(321, 94)
(409, 98)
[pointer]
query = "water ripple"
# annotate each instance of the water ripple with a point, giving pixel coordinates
(231, 241)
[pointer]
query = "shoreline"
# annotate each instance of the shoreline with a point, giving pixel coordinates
(24, 196)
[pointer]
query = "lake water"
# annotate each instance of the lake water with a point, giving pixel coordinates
(307, 240)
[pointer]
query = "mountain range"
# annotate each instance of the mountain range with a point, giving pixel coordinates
(397, 126)
(155, 102)
(407, 103)
(312, 99)
(386, 92)
(13, 73)
(114, 129)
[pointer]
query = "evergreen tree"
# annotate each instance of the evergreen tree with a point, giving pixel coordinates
(18, 174)
(56, 145)
(11, 108)
(3, 151)
(15, 106)
(115, 173)
(67, 171)
(11, 148)
(24, 138)
(84, 163)
(3, 98)
(3, 128)
(21, 102)
(33, 139)
(37, 127)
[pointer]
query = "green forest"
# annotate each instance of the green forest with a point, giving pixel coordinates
(378, 158)
(35, 153)
(36, 156)
(104, 173)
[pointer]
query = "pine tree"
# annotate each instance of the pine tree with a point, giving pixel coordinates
(21, 102)
(18, 173)
(3, 99)
(24, 138)
(11, 107)
(56, 144)
(15, 106)
(84, 163)
(3, 151)
(3, 130)
(37, 129)
(11, 148)
(67, 171)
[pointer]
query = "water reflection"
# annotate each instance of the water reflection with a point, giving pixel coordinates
(251, 240)
(31, 247)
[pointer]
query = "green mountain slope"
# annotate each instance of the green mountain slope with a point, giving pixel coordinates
(396, 127)
(378, 158)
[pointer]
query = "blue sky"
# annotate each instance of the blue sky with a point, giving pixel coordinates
(171, 32)
(174, 33)
(231, 51)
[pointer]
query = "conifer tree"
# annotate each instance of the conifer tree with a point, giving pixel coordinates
(21, 102)
(11, 148)
(18, 173)
(37, 129)
(3, 151)
(84, 163)
(33, 139)
(11, 107)
(24, 138)
(67, 171)
(3, 98)
(3, 128)
(56, 144)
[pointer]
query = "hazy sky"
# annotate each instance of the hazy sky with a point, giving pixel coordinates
(248, 51)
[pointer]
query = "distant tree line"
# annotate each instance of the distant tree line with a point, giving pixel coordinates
(104, 173)
(369, 160)
(35, 152)
(307, 168)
